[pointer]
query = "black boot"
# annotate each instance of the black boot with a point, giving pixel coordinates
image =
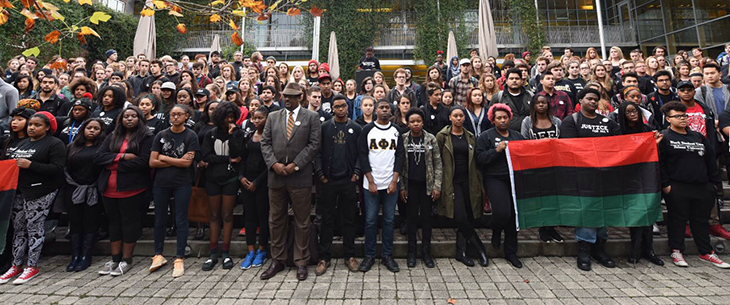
(75, 251)
(411, 260)
(476, 242)
(598, 253)
(461, 250)
(584, 256)
(426, 254)
(512, 259)
(648, 247)
(636, 245)
(86, 252)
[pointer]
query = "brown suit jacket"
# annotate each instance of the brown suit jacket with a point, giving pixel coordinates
(300, 149)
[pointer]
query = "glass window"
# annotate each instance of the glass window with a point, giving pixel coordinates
(686, 39)
(710, 35)
(649, 20)
(679, 14)
(711, 9)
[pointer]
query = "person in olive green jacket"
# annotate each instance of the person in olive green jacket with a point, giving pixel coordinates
(420, 184)
(461, 187)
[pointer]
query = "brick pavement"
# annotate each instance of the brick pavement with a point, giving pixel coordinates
(543, 280)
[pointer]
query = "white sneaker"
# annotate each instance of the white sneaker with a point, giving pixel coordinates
(655, 230)
(108, 268)
(678, 259)
(121, 269)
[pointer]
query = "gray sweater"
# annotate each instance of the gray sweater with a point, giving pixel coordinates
(8, 101)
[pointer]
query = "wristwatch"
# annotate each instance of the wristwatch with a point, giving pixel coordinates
(296, 168)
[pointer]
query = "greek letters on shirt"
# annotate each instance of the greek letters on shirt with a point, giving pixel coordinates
(693, 147)
(382, 144)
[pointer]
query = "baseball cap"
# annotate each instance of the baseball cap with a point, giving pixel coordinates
(464, 61)
(685, 83)
(168, 85)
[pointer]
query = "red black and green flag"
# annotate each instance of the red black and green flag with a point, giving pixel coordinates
(8, 184)
(586, 182)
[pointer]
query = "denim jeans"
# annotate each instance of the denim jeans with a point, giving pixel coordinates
(590, 234)
(372, 203)
(162, 197)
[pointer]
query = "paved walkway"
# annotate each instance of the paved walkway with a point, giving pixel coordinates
(543, 280)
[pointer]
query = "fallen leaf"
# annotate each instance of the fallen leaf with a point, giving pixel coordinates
(52, 37)
(527, 281)
(451, 301)
(215, 18)
(89, 31)
(81, 38)
(316, 12)
(160, 4)
(6, 3)
(233, 25)
(60, 64)
(3, 16)
(293, 11)
(147, 12)
(237, 39)
(29, 24)
(181, 28)
(82, 2)
(35, 51)
(99, 17)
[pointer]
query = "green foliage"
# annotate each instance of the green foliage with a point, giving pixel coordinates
(248, 48)
(523, 12)
(117, 33)
(355, 29)
(432, 28)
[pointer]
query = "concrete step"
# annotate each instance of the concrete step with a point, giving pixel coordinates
(443, 244)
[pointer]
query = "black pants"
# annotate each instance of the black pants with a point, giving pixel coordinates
(125, 220)
(692, 202)
(338, 201)
(503, 212)
(419, 208)
(463, 214)
(256, 208)
(82, 218)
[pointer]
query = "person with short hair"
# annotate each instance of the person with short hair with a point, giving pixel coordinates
(582, 124)
(461, 83)
(381, 154)
(369, 61)
(400, 88)
(515, 96)
(337, 167)
(689, 180)
(50, 101)
(420, 184)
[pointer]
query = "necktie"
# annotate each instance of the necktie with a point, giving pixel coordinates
(289, 125)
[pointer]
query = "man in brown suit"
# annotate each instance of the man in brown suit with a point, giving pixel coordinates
(290, 141)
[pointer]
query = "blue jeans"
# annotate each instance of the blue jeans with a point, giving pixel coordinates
(372, 203)
(590, 234)
(162, 197)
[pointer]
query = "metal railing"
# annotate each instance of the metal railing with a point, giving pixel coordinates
(259, 37)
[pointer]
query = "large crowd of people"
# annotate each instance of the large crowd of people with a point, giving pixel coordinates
(100, 140)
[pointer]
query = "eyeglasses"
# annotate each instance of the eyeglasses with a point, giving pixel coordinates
(679, 116)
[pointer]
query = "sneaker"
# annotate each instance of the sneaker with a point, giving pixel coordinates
(210, 263)
(553, 232)
(11, 273)
(108, 268)
(178, 269)
(248, 260)
(678, 259)
(655, 230)
(121, 269)
(719, 231)
(157, 262)
(28, 274)
(260, 258)
(242, 232)
(544, 236)
(715, 260)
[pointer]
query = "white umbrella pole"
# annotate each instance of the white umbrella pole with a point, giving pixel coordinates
(315, 40)
(600, 28)
(243, 28)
